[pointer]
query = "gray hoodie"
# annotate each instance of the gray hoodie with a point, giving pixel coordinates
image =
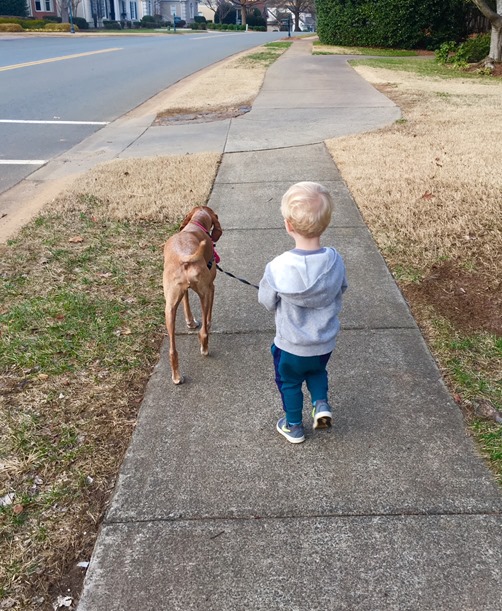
(304, 289)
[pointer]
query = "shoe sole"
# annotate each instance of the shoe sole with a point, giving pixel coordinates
(322, 420)
(290, 439)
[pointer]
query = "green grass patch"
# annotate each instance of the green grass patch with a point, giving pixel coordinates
(278, 45)
(472, 365)
(336, 50)
(266, 55)
(81, 320)
(420, 66)
(406, 274)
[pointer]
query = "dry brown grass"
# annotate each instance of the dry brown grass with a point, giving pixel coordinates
(158, 189)
(229, 85)
(429, 186)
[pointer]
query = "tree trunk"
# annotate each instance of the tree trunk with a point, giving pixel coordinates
(65, 15)
(496, 21)
(243, 14)
(496, 44)
(297, 20)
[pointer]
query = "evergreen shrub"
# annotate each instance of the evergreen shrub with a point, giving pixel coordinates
(33, 24)
(81, 23)
(404, 24)
(16, 8)
(111, 25)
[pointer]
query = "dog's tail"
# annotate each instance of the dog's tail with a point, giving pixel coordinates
(197, 256)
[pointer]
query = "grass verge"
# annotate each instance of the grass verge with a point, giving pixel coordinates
(437, 221)
(423, 66)
(320, 49)
(210, 91)
(80, 327)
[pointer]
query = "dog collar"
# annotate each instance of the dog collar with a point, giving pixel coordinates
(216, 256)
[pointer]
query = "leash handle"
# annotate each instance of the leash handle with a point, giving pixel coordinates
(236, 277)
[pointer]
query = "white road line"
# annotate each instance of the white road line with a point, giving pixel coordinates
(22, 161)
(57, 59)
(55, 122)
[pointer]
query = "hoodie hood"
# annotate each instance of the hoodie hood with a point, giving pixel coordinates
(307, 278)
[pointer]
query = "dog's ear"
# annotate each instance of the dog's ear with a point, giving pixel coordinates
(187, 219)
(217, 230)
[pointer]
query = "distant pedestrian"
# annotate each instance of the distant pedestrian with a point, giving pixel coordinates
(304, 288)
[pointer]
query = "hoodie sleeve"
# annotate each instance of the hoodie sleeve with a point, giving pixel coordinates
(267, 295)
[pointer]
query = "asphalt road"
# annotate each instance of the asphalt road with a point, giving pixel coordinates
(56, 91)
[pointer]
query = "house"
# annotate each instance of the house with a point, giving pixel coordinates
(43, 8)
(278, 16)
(95, 11)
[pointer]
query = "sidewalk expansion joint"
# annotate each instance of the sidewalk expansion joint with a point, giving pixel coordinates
(335, 515)
(273, 148)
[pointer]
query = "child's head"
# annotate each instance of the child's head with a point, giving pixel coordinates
(307, 206)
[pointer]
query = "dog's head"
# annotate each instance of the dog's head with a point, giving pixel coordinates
(206, 217)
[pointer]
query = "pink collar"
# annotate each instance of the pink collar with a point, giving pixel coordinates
(201, 226)
(216, 256)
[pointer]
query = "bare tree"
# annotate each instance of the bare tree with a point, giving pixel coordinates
(244, 6)
(63, 8)
(495, 18)
(296, 7)
(220, 7)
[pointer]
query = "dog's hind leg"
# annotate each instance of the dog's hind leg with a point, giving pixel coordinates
(189, 319)
(206, 299)
(173, 353)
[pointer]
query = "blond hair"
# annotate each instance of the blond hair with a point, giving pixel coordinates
(308, 207)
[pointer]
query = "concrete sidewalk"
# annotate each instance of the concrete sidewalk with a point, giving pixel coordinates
(390, 509)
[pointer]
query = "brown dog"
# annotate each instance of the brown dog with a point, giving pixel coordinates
(189, 262)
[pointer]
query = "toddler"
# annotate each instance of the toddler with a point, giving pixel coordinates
(304, 288)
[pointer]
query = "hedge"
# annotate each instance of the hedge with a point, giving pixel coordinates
(391, 23)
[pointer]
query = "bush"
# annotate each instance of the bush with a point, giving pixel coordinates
(81, 23)
(476, 49)
(471, 51)
(445, 51)
(18, 8)
(405, 24)
(200, 19)
(33, 24)
(111, 25)
(255, 20)
(60, 27)
(147, 21)
(10, 27)
(52, 19)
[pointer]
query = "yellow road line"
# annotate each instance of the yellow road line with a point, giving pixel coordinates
(57, 59)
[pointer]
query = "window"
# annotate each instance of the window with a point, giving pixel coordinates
(134, 10)
(48, 6)
(38, 5)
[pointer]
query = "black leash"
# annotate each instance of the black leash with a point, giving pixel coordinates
(236, 277)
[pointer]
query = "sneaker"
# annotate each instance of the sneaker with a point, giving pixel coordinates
(321, 414)
(293, 433)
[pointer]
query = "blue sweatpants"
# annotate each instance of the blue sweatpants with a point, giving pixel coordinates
(290, 373)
